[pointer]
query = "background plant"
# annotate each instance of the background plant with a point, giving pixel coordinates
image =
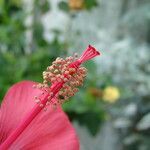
(30, 39)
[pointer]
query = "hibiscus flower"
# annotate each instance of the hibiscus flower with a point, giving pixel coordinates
(28, 119)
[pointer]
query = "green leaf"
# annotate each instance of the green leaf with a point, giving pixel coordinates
(89, 4)
(63, 6)
(45, 6)
(144, 123)
(92, 120)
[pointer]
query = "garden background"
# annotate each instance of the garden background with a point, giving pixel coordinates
(112, 109)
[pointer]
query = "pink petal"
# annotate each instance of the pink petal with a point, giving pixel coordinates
(50, 130)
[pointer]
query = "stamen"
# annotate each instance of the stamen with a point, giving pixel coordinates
(72, 78)
(67, 75)
(41, 105)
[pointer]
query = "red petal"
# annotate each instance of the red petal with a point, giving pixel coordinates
(50, 130)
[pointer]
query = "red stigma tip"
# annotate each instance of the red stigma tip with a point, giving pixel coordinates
(88, 54)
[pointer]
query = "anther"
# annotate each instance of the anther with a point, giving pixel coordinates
(37, 101)
(41, 105)
(35, 97)
(34, 86)
(45, 109)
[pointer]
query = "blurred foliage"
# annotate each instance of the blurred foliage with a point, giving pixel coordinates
(132, 119)
(92, 120)
(20, 60)
(77, 5)
(15, 68)
(12, 26)
(16, 63)
(63, 6)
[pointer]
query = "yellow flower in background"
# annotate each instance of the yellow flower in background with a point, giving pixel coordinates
(76, 4)
(111, 94)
